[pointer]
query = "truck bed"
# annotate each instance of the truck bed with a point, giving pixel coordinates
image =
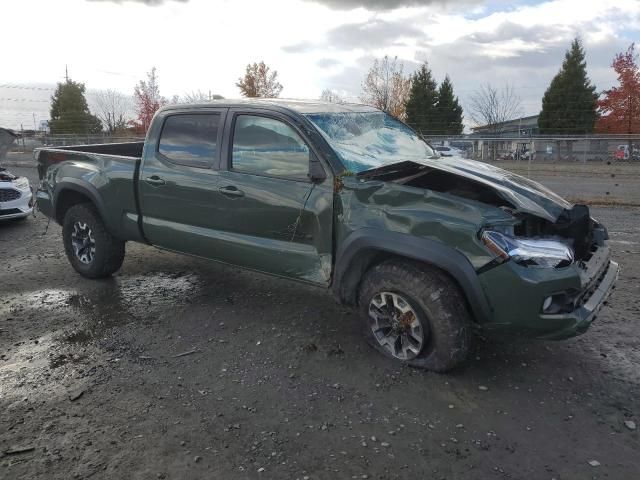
(129, 149)
(106, 174)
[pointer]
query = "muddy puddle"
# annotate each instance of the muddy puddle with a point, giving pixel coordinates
(107, 303)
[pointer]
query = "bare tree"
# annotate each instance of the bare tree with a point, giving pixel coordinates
(258, 82)
(386, 87)
(199, 97)
(490, 107)
(330, 96)
(112, 108)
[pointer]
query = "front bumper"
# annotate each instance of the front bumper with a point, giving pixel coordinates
(581, 318)
(516, 295)
(19, 208)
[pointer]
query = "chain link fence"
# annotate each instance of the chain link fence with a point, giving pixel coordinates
(587, 148)
(27, 143)
(593, 169)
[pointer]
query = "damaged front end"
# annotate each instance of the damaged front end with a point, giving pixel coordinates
(537, 242)
(546, 270)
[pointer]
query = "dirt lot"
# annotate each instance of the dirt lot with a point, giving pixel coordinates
(180, 368)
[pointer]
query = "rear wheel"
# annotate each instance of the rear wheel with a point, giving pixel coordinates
(416, 315)
(92, 251)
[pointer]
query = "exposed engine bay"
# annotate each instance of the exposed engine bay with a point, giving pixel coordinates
(6, 176)
(573, 226)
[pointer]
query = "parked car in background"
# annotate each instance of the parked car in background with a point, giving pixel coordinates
(449, 151)
(429, 250)
(16, 199)
(623, 153)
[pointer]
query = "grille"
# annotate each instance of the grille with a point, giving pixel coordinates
(9, 211)
(9, 194)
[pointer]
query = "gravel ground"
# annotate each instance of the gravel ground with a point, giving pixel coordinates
(181, 368)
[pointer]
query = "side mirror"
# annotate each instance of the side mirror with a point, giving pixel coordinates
(316, 171)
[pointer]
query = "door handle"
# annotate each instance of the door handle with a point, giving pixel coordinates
(155, 180)
(231, 191)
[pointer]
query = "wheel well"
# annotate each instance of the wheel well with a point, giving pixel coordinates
(366, 260)
(67, 199)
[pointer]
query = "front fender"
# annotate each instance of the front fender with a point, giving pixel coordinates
(360, 248)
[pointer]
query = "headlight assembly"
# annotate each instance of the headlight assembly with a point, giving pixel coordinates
(530, 252)
(22, 183)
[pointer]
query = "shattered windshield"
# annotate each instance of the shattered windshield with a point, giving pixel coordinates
(370, 140)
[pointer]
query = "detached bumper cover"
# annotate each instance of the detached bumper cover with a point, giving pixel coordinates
(582, 317)
(45, 203)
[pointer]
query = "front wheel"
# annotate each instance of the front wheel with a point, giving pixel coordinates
(92, 251)
(415, 314)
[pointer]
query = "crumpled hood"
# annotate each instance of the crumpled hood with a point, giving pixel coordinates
(526, 195)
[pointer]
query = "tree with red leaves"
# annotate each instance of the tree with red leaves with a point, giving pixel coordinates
(148, 99)
(619, 107)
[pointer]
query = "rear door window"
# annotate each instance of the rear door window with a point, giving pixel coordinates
(190, 139)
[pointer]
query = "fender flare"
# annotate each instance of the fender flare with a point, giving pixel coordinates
(360, 248)
(80, 186)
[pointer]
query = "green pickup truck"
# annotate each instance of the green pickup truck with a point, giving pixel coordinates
(430, 250)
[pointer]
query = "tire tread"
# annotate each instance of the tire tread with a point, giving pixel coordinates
(441, 300)
(112, 250)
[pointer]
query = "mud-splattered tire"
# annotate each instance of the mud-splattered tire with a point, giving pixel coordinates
(430, 311)
(92, 251)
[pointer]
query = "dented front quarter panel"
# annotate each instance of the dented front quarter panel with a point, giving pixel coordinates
(441, 217)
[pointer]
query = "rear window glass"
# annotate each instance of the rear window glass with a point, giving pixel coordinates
(190, 139)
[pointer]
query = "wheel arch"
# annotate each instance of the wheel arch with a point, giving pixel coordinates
(363, 249)
(70, 192)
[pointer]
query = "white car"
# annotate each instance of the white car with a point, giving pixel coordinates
(449, 151)
(16, 198)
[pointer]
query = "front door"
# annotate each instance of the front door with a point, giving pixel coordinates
(277, 220)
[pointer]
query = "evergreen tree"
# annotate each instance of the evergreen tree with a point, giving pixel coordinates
(70, 112)
(569, 104)
(421, 112)
(449, 112)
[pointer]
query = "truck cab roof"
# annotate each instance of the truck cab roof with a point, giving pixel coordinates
(292, 105)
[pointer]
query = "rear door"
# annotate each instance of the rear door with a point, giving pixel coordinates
(179, 181)
(275, 218)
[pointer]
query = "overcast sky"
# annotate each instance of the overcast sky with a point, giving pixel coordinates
(205, 44)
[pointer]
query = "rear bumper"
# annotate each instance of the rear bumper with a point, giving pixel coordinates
(45, 203)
